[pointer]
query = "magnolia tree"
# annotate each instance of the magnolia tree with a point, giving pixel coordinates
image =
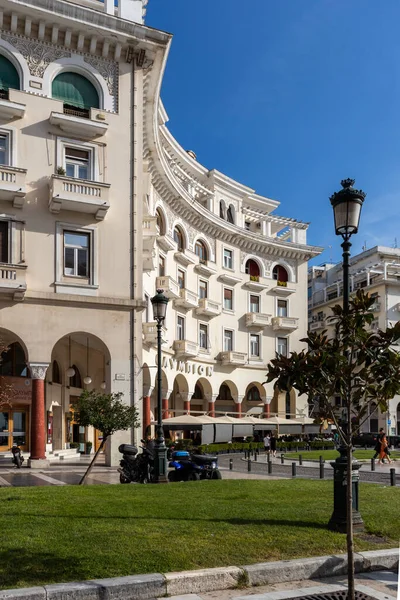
(106, 413)
(359, 364)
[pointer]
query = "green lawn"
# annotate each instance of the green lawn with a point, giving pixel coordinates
(333, 454)
(59, 534)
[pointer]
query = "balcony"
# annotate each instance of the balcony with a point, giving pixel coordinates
(186, 257)
(74, 123)
(166, 243)
(169, 285)
(10, 110)
(233, 358)
(149, 258)
(376, 307)
(255, 283)
(205, 268)
(229, 278)
(185, 348)
(150, 333)
(285, 323)
(257, 320)
(208, 308)
(12, 185)
(149, 232)
(79, 195)
(283, 288)
(187, 299)
(317, 325)
(12, 281)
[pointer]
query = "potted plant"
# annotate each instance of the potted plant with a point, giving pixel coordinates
(88, 447)
(61, 171)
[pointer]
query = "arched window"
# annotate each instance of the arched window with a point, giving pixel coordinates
(253, 395)
(222, 209)
(160, 222)
(198, 393)
(9, 78)
(280, 274)
(76, 380)
(55, 372)
(201, 251)
(179, 239)
(252, 269)
(224, 393)
(230, 214)
(13, 361)
(77, 93)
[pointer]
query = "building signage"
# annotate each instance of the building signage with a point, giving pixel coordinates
(20, 389)
(182, 366)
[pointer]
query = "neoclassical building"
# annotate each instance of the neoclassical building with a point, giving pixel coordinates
(99, 206)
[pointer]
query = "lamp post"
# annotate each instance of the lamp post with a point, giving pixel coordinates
(347, 204)
(159, 302)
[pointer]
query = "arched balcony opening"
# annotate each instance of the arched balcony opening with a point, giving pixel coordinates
(280, 274)
(201, 251)
(253, 394)
(179, 238)
(161, 227)
(230, 214)
(55, 372)
(252, 268)
(222, 210)
(77, 93)
(9, 78)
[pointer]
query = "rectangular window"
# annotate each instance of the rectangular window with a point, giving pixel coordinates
(4, 148)
(254, 303)
(282, 346)
(76, 254)
(228, 340)
(282, 308)
(255, 345)
(228, 299)
(203, 289)
(228, 259)
(77, 162)
(161, 266)
(203, 336)
(181, 279)
(4, 242)
(180, 328)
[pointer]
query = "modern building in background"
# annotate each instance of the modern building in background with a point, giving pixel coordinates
(99, 206)
(378, 271)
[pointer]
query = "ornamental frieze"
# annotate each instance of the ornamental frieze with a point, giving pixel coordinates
(109, 71)
(38, 55)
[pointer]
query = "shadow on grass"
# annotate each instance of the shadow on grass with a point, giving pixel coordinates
(20, 568)
(281, 522)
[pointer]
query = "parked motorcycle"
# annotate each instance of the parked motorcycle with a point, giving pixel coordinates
(17, 458)
(192, 467)
(135, 467)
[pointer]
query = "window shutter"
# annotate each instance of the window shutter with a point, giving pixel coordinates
(9, 77)
(76, 90)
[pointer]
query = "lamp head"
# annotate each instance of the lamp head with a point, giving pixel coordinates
(347, 204)
(159, 302)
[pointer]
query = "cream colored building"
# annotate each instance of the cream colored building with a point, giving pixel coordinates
(94, 195)
(376, 270)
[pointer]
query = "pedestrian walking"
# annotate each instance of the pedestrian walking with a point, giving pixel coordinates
(273, 445)
(378, 443)
(384, 453)
(267, 443)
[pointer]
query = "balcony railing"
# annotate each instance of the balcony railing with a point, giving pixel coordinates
(13, 280)
(205, 268)
(233, 358)
(257, 319)
(12, 185)
(4, 95)
(74, 111)
(149, 232)
(187, 299)
(90, 197)
(186, 348)
(283, 288)
(169, 285)
(317, 325)
(208, 307)
(285, 323)
(87, 124)
(150, 333)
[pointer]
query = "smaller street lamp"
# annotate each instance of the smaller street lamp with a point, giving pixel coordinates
(159, 302)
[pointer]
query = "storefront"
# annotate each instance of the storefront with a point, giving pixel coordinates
(14, 417)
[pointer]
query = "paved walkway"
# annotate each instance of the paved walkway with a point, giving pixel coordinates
(381, 585)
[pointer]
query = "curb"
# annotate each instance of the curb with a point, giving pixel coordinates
(150, 587)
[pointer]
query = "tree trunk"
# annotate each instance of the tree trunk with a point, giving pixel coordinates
(90, 467)
(349, 511)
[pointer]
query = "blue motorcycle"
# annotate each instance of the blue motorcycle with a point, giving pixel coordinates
(193, 467)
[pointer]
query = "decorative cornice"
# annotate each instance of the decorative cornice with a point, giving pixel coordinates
(38, 370)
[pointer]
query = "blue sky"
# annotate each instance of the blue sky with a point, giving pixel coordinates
(289, 97)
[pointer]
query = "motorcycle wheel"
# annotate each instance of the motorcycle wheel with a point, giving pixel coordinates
(172, 477)
(18, 461)
(123, 479)
(193, 477)
(216, 474)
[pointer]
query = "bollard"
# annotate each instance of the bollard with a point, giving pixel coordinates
(293, 469)
(321, 460)
(372, 464)
(249, 464)
(282, 459)
(300, 460)
(255, 456)
(322, 471)
(365, 447)
(297, 449)
(258, 450)
(392, 476)
(245, 454)
(230, 464)
(269, 467)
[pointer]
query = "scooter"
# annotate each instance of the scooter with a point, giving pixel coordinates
(17, 458)
(193, 467)
(134, 467)
(209, 464)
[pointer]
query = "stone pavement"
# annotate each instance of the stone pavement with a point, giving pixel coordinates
(382, 585)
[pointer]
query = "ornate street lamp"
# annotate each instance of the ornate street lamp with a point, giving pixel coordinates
(347, 204)
(159, 302)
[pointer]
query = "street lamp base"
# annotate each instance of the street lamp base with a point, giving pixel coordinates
(338, 522)
(160, 464)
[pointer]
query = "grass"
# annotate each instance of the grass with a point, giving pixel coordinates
(363, 455)
(70, 533)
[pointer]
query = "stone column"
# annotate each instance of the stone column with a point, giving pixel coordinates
(37, 459)
(267, 404)
(211, 398)
(238, 402)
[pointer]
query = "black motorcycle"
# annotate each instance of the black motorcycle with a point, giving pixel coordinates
(135, 467)
(17, 458)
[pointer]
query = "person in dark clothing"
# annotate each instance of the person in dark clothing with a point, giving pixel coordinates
(273, 445)
(378, 443)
